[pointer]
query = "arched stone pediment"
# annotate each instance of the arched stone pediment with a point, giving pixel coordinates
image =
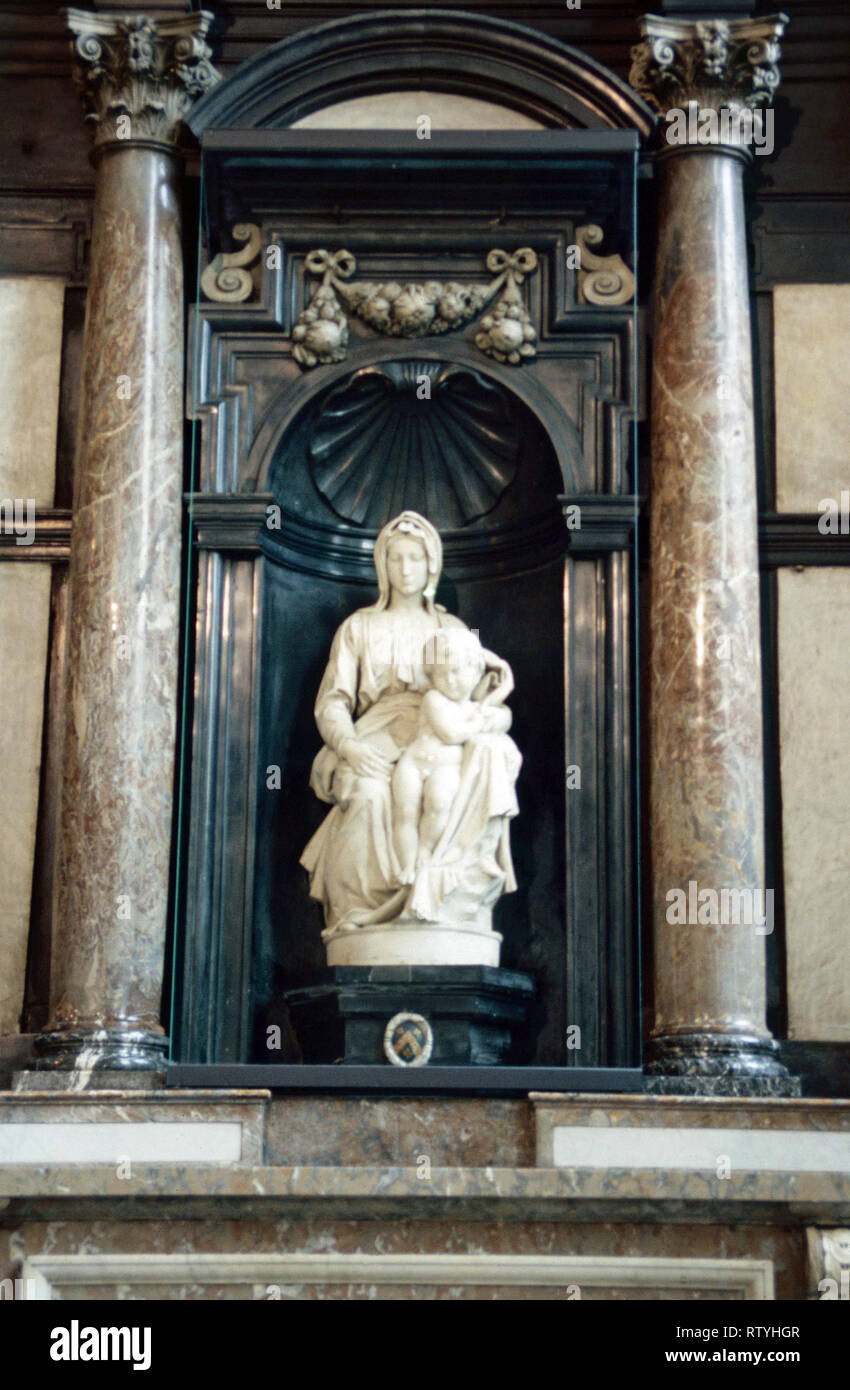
(477, 56)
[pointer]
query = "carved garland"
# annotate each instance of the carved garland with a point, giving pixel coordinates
(399, 310)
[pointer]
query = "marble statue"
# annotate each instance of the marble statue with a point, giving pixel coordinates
(419, 770)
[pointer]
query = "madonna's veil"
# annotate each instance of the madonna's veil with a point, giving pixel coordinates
(409, 524)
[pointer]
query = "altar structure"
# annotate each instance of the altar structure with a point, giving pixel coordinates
(536, 329)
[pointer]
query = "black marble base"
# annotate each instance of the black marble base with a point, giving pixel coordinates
(476, 1012)
(104, 1049)
(711, 1064)
(742, 1086)
(823, 1067)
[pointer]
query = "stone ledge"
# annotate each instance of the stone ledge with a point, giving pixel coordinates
(671, 1106)
(193, 1094)
(530, 1193)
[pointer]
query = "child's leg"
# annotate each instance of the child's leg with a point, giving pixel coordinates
(439, 794)
(407, 798)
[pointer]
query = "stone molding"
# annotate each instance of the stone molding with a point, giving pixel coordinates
(58, 1275)
(828, 1262)
(139, 76)
(715, 62)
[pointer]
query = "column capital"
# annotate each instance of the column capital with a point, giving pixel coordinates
(716, 63)
(138, 76)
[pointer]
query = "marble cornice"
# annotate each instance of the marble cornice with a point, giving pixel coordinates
(214, 1190)
(714, 62)
(138, 75)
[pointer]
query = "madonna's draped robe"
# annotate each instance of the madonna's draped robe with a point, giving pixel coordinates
(373, 689)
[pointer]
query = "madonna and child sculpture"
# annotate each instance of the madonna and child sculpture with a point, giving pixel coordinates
(419, 770)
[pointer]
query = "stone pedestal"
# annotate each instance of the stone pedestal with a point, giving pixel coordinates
(459, 1015)
(707, 796)
(113, 860)
(417, 943)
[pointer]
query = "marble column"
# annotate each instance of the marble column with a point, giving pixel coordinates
(706, 78)
(138, 78)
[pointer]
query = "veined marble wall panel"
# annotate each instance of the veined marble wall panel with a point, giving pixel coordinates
(30, 356)
(24, 616)
(814, 713)
(401, 111)
(811, 348)
(514, 1247)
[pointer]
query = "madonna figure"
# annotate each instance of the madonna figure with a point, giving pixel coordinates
(419, 771)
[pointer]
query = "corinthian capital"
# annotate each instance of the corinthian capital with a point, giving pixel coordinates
(139, 76)
(714, 62)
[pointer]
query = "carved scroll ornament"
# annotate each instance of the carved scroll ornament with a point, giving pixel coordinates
(227, 279)
(601, 279)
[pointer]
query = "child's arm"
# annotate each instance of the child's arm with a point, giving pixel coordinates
(497, 682)
(450, 721)
(497, 719)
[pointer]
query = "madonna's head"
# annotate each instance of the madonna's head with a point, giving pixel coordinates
(408, 559)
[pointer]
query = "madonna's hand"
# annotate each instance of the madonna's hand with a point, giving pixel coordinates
(365, 761)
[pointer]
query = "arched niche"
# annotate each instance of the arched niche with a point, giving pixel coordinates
(487, 59)
(480, 464)
(301, 396)
(401, 110)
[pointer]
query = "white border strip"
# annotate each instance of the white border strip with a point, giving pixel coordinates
(56, 1276)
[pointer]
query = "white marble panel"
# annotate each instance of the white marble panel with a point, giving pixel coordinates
(814, 714)
(748, 1150)
(24, 618)
(30, 357)
(402, 110)
(811, 350)
(176, 1141)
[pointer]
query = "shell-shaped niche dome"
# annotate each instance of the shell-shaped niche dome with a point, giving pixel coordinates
(431, 436)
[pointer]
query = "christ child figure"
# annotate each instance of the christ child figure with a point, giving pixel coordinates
(427, 775)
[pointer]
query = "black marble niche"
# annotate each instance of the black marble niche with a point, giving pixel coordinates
(503, 575)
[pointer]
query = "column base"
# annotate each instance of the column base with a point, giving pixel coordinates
(711, 1064)
(100, 1049)
(83, 1083)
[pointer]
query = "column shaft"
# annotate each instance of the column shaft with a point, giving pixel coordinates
(707, 807)
(115, 837)
(138, 78)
